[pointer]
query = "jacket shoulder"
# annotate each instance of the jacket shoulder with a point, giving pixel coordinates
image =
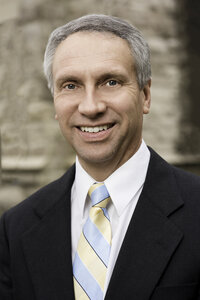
(27, 211)
(188, 183)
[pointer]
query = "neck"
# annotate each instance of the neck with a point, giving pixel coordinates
(102, 170)
(98, 171)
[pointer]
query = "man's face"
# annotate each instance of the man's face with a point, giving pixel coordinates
(97, 99)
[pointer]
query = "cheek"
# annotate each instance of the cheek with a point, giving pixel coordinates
(126, 107)
(64, 109)
(126, 100)
(131, 113)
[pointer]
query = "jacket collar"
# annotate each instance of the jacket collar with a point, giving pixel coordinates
(56, 191)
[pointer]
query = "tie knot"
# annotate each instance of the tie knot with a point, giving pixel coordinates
(99, 195)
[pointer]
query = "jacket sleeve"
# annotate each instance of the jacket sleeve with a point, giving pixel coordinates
(5, 272)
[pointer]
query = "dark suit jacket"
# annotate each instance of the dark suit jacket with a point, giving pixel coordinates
(159, 258)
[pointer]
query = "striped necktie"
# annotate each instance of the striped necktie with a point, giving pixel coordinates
(92, 256)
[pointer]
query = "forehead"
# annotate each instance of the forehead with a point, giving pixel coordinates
(87, 38)
(83, 50)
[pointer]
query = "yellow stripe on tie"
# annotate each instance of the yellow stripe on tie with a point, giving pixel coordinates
(103, 227)
(88, 256)
(80, 293)
(103, 203)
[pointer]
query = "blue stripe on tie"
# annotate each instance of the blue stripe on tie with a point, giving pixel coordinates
(86, 280)
(97, 241)
(105, 212)
(99, 194)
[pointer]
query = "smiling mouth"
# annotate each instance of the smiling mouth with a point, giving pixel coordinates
(95, 129)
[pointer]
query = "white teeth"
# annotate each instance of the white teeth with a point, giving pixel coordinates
(94, 129)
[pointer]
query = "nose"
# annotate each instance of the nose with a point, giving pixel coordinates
(91, 104)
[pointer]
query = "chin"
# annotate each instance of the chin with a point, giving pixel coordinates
(96, 158)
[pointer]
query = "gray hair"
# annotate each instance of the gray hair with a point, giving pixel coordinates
(102, 23)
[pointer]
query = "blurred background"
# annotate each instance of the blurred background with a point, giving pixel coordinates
(32, 150)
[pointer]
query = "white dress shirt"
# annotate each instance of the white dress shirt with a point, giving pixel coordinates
(124, 186)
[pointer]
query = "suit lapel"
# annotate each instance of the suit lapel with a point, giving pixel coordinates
(151, 238)
(47, 246)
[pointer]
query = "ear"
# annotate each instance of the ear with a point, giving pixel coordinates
(56, 117)
(147, 97)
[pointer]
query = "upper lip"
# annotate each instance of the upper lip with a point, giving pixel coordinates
(96, 125)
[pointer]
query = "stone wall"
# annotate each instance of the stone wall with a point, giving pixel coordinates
(33, 151)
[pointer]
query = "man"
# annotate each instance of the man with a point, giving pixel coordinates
(140, 236)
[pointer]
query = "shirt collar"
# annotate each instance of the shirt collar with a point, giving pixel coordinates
(82, 182)
(122, 185)
(127, 180)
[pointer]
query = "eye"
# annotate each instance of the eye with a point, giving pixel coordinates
(70, 86)
(112, 83)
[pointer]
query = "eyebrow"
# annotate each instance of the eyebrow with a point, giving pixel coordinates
(109, 75)
(66, 78)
